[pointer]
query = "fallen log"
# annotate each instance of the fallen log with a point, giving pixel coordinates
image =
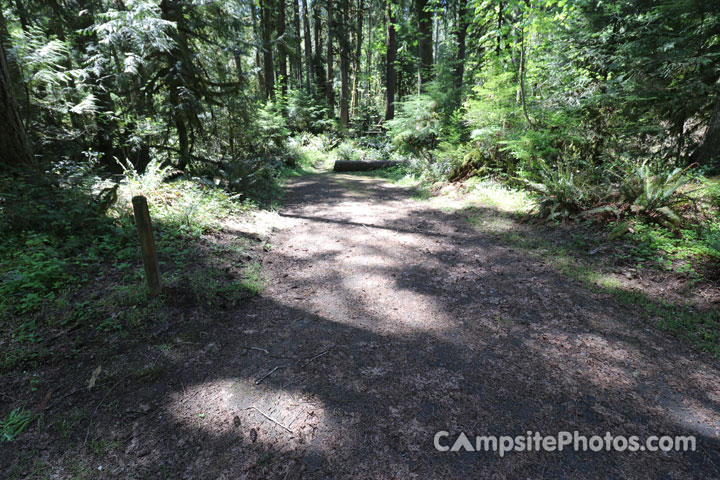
(360, 166)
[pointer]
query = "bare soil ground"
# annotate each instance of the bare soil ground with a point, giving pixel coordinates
(385, 320)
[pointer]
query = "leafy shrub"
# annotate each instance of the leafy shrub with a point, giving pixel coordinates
(347, 152)
(416, 125)
(305, 113)
(652, 190)
(52, 228)
(563, 190)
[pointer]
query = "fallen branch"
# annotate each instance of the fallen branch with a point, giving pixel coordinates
(260, 380)
(269, 418)
(310, 359)
(360, 166)
(259, 349)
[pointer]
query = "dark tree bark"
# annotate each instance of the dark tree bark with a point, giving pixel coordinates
(391, 45)
(344, 65)
(358, 52)
(297, 57)
(22, 14)
(330, 71)
(521, 78)
(308, 45)
(500, 20)
(425, 46)
(14, 145)
(258, 59)
(268, 67)
(179, 77)
(461, 35)
(708, 153)
(282, 49)
(237, 56)
(318, 58)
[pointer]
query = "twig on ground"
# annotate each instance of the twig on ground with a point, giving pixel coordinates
(259, 349)
(310, 359)
(260, 380)
(269, 418)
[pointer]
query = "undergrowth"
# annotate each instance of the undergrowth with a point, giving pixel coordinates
(70, 258)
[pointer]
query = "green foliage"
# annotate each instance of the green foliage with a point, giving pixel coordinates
(347, 151)
(61, 237)
(653, 191)
(48, 225)
(416, 125)
(563, 190)
(305, 113)
(14, 424)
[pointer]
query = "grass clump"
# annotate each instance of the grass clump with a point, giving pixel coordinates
(14, 423)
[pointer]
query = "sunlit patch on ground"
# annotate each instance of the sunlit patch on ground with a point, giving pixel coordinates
(486, 192)
(240, 409)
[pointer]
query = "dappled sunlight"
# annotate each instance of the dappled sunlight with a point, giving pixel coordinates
(586, 358)
(495, 224)
(487, 192)
(690, 414)
(234, 406)
(257, 223)
(707, 380)
(309, 241)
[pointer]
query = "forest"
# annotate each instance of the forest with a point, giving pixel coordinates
(352, 200)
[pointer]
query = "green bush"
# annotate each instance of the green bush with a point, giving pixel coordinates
(306, 113)
(563, 191)
(416, 126)
(652, 189)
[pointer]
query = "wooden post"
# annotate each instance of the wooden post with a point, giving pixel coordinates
(142, 220)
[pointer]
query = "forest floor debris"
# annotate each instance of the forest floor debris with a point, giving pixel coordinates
(434, 323)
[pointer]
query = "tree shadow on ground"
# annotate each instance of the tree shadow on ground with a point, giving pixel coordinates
(385, 332)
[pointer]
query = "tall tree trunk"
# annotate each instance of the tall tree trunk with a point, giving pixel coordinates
(708, 152)
(330, 72)
(237, 56)
(425, 47)
(22, 15)
(258, 48)
(183, 141)
(308, 45)
(461, 34)
(391, 45)
(500, 20)
(358, 53)
(369, 54)
(521, 80)
(318, 58)
(344, 65)
(179, 77)
(282, 48)
(14, 145)
(268, 67)
(297, 57)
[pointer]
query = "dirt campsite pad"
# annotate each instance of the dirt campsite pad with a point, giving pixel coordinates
(384, 321)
